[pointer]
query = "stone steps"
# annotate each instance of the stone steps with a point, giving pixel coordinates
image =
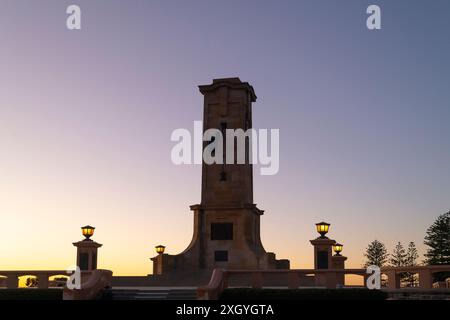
(153, 294)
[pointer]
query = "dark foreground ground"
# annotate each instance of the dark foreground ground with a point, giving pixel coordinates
(302, 294)
(249, 294)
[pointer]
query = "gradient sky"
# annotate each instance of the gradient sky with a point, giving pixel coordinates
(86, 118)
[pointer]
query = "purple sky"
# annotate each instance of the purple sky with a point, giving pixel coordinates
(86, 118)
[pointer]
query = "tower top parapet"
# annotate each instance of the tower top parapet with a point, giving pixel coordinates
(233, 83)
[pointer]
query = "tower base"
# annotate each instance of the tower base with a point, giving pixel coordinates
(224, 237)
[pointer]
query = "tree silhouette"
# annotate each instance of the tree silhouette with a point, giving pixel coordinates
(398, 259)
(438, 240)
(376, 254)
(398, 256)
(411, 261)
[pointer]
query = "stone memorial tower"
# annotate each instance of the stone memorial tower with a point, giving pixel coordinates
(226, 222)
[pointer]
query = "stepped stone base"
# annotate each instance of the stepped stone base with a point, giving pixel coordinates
(418, 294)
(178, 280)
(151, 294)
(202, 279)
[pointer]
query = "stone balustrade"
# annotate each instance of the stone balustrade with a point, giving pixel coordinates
(327, 278)
(92, 282)
(321, 277)
(425, 275)
(12, 277)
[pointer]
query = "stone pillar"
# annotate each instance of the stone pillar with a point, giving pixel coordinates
(425, 279)
(366, 276)
(160, 263)
(331, 280)
(393, 279)
(87, 254)
(339, 264)
(42, 279)
(257, 280)
(293, 280)
(12, 282)
(322, 257)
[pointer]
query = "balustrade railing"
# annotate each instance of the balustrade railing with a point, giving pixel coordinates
(91, 285)
(10, 278)
(328, 278)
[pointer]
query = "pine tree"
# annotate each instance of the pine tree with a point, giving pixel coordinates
(398, 259)
(376, 254)
(398, 256)
(438, 241)
(411, 261)
(412, 255)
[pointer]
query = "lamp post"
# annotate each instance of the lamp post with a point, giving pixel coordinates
(88, 232)
(322, 247)
(339, 263)
(337, 248)
(322, 228)
(160, 249)
(87, 250)
(160, 261)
